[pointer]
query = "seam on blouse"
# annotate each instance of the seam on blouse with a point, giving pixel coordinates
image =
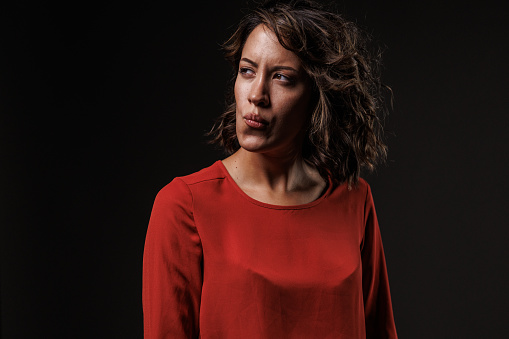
(201, 246)
(289, 207)
(204, 180)
(283, 207)
(227, 176)
(192, 210)
(364, 216)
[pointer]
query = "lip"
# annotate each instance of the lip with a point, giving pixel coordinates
(255, 121)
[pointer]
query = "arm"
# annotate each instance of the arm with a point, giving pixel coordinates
(375, 283)
(172, 259)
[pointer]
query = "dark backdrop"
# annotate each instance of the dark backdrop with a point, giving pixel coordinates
(102, 105)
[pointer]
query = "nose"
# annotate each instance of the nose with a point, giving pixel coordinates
(259, 95)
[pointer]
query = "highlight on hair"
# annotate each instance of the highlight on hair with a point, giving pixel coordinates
(345, 131)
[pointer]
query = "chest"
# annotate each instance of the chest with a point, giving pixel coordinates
(305, 247)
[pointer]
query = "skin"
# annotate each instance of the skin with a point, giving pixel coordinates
(272, 86)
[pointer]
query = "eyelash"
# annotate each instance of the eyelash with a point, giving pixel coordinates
(278, 76)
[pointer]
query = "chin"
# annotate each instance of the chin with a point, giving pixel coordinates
(253, 146)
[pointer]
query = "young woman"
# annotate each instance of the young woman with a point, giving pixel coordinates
(280, 239)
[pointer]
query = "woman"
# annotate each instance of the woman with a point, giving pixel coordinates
(280, 239)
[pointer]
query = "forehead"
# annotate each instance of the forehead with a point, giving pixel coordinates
(262, 45)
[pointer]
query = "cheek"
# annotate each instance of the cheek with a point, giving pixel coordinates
(237, 91)
(296, 114)
(296, 107)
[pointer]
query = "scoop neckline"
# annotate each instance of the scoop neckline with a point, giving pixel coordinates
(271, 206)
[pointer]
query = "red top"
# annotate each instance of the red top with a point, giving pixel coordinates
(219, 264)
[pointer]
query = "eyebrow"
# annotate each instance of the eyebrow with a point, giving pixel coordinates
(274, 68)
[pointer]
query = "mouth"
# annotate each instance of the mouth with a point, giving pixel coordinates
(255, 121)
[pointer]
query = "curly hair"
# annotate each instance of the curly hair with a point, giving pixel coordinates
(345, 132)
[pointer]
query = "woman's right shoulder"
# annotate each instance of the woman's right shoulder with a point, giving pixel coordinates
(177, 189)
(180, 187)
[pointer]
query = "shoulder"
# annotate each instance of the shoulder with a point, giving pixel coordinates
(363, 187)
(367, 198)
(365, 191)
(356, 192)
(180, 188)
(213, 172)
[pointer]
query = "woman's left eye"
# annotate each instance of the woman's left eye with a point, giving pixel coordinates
(282, 77)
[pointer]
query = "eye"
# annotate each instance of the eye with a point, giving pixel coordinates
(282, 77)
(246, 71)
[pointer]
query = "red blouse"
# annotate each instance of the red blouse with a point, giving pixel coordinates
(219, 264)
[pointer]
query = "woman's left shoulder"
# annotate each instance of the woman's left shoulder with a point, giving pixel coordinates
(363, 184)
(357, 193)
(359, 189)
(364, 189)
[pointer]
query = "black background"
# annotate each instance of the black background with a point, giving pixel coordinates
(102, 105)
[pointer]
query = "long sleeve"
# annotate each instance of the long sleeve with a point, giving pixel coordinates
(377, 300)
(172, 266)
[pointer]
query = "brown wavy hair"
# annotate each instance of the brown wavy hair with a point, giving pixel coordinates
(345, 132)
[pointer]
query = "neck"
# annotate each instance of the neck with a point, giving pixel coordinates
(279, 174)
